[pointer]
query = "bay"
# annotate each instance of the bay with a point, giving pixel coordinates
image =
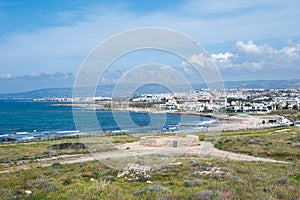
(25, 120)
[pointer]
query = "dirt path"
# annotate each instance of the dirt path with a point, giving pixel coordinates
(134, 149)
(206, 149)
(214, 152)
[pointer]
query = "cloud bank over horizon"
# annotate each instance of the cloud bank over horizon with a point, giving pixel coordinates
(10, 83)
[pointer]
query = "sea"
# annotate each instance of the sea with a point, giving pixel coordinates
(29, 120)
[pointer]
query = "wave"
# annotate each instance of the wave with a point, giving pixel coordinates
(4, 135)
(27, 138)
(119, 131)
(66, 132)
(197, 124)
(21, 133)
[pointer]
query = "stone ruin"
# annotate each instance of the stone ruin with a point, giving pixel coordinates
(170, 141)
(136, 171)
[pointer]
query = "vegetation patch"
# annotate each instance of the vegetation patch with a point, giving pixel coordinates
(193, 178)
(270, 143)
(93, 180)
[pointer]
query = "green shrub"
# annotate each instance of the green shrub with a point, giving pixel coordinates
(188, 183)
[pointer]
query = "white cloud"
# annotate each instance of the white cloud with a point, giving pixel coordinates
(14, 83)
(198, 59)
(251, 48)
(6, 76)
(223, 58)
(248, 47)
(254, 57)
(35, 75)
(292, 51)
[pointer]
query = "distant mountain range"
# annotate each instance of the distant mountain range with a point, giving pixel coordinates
(103, 90)
(106, 90)
(264, 84)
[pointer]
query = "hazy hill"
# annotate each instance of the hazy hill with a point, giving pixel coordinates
(106, 90)
(266, 84)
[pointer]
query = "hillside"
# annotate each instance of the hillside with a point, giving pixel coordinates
(106, 90)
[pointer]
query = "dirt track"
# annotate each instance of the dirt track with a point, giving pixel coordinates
(206, 149)
(134, 149)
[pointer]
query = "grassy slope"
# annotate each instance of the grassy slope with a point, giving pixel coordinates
(277, 143)
(293, 115)
(251, 180)
(11, 152)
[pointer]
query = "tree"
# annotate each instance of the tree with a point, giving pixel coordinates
(286, 106)
(206, 110)
(295, 107)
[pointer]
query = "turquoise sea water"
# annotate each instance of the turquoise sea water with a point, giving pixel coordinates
(32, 120)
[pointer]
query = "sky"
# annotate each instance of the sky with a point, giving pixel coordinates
(44, 43)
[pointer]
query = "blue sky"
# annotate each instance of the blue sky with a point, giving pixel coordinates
(43, 43)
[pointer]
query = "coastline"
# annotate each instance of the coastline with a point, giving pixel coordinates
(214, 122)
(222, 122)
(136, 109)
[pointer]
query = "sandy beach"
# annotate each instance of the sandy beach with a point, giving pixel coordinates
(248, 121)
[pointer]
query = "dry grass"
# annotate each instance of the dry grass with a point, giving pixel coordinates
(280, 144)
(93, 180)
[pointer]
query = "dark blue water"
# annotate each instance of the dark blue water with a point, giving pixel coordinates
(32, 120)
